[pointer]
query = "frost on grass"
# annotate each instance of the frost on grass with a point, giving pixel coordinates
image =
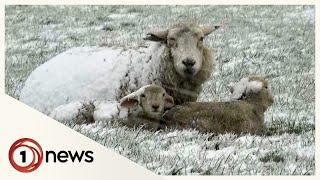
(274, 41)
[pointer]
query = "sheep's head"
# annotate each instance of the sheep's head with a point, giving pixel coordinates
(185, 42)
(252, 88)
(152, 99)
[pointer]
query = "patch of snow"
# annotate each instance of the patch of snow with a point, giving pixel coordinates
(254, 86)
(124, 15)
(239, 88)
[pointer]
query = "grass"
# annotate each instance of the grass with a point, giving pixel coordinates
(275, 41)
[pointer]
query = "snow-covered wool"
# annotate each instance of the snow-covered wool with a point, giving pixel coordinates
(245, 114)
(105, 73)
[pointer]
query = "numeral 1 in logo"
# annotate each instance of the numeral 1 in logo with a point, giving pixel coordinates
(23, 156)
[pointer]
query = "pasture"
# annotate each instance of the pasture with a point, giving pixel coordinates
(275, 41)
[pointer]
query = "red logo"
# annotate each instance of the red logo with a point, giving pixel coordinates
(22, 145)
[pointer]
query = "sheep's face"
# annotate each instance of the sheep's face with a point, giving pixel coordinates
(253, 88)
(186, 46)
(152, 99)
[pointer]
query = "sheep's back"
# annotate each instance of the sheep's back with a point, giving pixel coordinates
(82, 73)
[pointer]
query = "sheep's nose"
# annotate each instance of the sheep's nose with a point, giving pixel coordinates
(155, 106)
(188, 62)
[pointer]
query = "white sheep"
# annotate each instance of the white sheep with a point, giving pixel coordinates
(177, 61)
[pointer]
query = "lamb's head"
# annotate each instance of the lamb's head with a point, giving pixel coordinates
(150, 99)
(185, 42)
(252, 88)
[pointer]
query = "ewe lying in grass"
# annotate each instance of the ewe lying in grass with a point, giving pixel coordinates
(178, 61)
(245, 114)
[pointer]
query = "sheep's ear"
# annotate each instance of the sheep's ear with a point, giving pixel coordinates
(168, 101)
(157, 36)
(209, 29)
(231, 87)
(128, 101)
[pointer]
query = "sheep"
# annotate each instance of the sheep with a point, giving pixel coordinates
(142, 107)
(244, 114)
(146, 107)
(175, 59)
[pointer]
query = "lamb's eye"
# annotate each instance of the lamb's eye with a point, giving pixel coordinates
(266, 87)
(163, 94)
(201, 39)
(143, 95)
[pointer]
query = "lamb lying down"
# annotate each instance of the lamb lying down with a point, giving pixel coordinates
(143, 107)
(245, 114)
(146, 106)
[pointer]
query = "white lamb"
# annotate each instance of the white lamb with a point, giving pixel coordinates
(142, 107)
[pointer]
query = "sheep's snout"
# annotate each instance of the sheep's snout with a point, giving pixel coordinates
(188, 62)
(189, 66)
(155, 107)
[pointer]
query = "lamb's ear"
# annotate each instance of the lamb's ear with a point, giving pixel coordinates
(168, 101)
(209, 29)
(157, 36)
(129, 101)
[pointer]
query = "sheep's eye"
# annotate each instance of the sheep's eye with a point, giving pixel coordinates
(266, 87)
(172, 42)
(143, 95)
(172, 39)
(163, 94)
(201, 39)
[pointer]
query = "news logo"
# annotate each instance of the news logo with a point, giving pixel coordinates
(18, 155)
(26, 155)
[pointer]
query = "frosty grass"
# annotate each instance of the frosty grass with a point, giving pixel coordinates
(275, 41)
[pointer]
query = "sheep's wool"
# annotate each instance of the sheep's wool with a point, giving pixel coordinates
(244, 85)
(90, 73)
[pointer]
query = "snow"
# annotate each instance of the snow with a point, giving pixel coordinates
(239, 88)
(275, 41)
(254, 86)
(244, 85)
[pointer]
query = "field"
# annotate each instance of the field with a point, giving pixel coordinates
(275, 41)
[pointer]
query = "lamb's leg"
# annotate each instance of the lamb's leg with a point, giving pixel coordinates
(76, 112)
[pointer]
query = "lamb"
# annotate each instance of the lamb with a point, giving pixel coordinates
(143, 107)
(244, 114)
(176, 59)
(149, 103)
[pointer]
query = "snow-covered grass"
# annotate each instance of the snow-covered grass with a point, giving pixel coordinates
(275, 41)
